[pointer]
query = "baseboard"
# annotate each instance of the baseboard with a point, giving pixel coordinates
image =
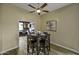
(73, 50)
(8, 50)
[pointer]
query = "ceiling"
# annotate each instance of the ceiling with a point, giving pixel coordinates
(50, 6)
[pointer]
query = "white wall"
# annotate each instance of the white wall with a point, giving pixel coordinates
(67, 26)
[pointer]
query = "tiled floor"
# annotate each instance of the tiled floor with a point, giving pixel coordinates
(22, 50)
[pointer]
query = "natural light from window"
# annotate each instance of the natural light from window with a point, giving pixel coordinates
(20, 26)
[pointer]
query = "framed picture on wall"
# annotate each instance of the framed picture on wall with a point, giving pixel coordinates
(52, 25)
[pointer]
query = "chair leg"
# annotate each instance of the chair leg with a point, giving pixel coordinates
(27, 48)
(37, 48)
(44, 48)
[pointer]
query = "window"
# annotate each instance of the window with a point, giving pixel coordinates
(20, 26)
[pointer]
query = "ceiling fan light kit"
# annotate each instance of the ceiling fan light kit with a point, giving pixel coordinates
(38, 10)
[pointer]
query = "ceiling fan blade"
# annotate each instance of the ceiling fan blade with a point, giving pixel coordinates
(32, 11)
(43, 5)
(31, 6)
(45, 11)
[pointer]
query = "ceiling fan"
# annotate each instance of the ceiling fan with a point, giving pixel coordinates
(39, 9)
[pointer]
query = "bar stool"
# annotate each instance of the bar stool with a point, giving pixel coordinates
(44, 44)
(32, 44)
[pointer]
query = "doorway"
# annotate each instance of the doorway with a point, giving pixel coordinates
(24, 26)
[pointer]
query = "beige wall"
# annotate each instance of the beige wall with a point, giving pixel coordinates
(0, 31)
(67, 26)
(10, 17)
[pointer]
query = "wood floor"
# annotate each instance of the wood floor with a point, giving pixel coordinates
(22, 50)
